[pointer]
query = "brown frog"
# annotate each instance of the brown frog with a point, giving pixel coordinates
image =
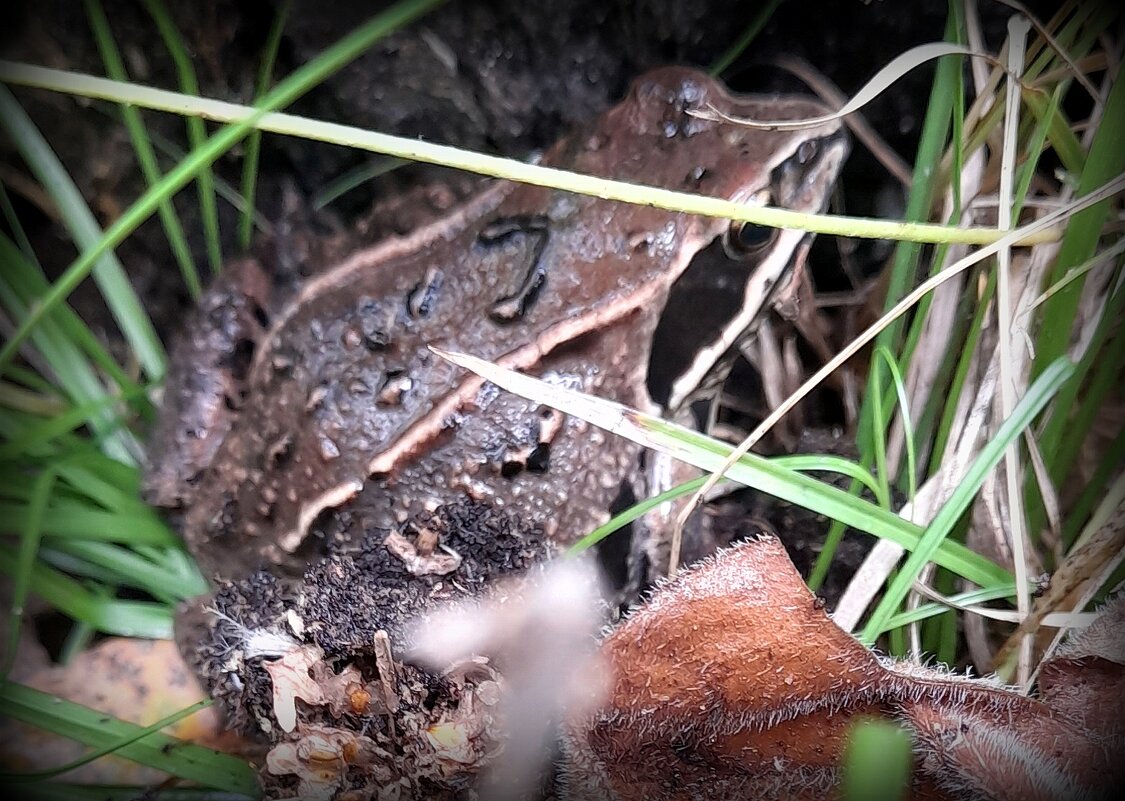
(280, 409)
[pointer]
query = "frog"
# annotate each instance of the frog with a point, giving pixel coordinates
(301, 406)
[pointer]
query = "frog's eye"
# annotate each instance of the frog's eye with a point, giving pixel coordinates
(806, 151)
(743, 239)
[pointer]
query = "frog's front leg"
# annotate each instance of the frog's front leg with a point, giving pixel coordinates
(206, 380)
(653, 540)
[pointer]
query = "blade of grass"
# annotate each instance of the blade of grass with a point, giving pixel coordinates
(64, 791)
(168, 149)
(84, 522)
(156, 750)
(197, 132)
(802, 463)
(1094, 491)
(356, 177)
(284, 93)
(1018, 29)
(98, 488)
(1106, 159)
(945, 93)
(29, 282)
(110, 276)
(68, 367)
(254, 140)
(807, 463)
(882, 419)
(634, 512)
(129, 569)
(30, 537)
(877, 762)
(1038, 395)
(1034, 151)
(125, 618)
(142, 146)
(32, 439)
(942, 631)
(742, 42)
(105, 750)
(16, 227)
(495, 166)
(935, 130)
(961, 600)
(36, 404)
(1105, 376)
(1065, 430)
(78, 639)
(961, 373)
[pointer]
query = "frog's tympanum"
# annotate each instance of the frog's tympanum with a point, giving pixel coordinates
(285, 405)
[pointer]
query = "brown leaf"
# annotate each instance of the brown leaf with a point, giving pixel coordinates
(732, 682)
(1085, 680)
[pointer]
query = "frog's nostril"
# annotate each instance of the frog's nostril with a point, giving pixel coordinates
(695, 177)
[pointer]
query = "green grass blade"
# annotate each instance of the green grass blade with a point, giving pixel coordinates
(961, 373)
(356, 177)
(128, 569)
(28, 282)
(1094, 491)
(32, 439)
(142, 146)
(87, 234)
(1099, 371)
(25, 563)
(125, 618)
(254, 140)
(752, 470)
(105, 750)
(84, 522)
(807, 463)
(802, 463)
(634, 512)
(185, 760)
(1106, 160)
(64, 791)
(63, 361)
(197, 131)
(935, 131)
(877, 762)
(899, 385)
(16, 227)
(1038, 395)
(723, 62)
